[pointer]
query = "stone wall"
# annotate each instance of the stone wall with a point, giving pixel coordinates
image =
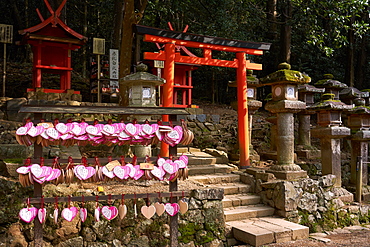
(202, 225)
(314, 203)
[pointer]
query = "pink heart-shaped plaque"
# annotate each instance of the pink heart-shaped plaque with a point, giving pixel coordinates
(109, 212)
(138, 172)
(180, 163)
(170, 167)
(23, 169)
(62, 128)
(122, 172)
(184, 158)
(41, 214)
(132, 170)
(108, 129)
(161, 161)
(32, 131)
(83, 214)
(158, 172)
(55, 173)
(92, 130)
(36, 170)
(83, 172)
(28, 214)
(69, 213)
(39, 180)
(107, 173)
(53, 133)
(21, 131)
(172, 208)
(132, 129)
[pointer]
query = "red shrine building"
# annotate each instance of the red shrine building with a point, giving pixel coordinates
(52, 42)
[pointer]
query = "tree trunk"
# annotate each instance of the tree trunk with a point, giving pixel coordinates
(118, 16)
(271, 15)
(361, 65)
(127, 36)
(286, 33)
(350, 68)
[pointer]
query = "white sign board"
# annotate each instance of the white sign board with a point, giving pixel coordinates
(113, 64)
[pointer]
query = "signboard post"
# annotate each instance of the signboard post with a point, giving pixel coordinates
(6, 36)
(99, 49)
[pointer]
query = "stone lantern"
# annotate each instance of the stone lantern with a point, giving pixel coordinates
(306, 94)
(142, 87)
(329, 130)
(359, 122)
(348, 95)
(331, 86)
(284, 104)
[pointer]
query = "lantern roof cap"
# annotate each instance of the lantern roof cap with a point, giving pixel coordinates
(286, 76)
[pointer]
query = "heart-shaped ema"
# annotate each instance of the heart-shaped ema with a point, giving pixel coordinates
(106, 172)
(161, 161)
(55, 173)
(83, 172)
(180, 163)
(160, 208)
(69, 213)
(53, 133)
(41, 214)
(138, 172)
(83, 214)
(170, 167)
(132, 129)
(158, 172)
(62, 128)
(172, 208)
(148, 211)
(92, 130)
(183, 206)
(28, 214)
(122, 211)
(108, 129)
(40, 171)
(109, 212)
(23, 169)
(121, 172)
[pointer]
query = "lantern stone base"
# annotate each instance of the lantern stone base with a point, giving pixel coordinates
(289, 175)
(288, 172)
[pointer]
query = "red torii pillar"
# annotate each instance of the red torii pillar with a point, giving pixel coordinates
(169, 75)
(243, 125)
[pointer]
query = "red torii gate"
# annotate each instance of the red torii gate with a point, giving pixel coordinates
(208, 44)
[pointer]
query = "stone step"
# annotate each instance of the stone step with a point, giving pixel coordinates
(201, 158)
(215, 178)
(233, 188)
(245, 212)
(267, 230)
(209, 169)
(240, 200)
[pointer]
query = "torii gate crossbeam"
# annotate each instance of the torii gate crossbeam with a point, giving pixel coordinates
(171, 39)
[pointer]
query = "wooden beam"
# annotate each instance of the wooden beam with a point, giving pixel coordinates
(201, 60)
(193, 44)
(181, 36)
(103, 110)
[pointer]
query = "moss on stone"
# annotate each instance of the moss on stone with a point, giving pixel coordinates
(188, 231)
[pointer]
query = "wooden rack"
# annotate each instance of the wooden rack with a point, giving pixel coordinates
(39, 110)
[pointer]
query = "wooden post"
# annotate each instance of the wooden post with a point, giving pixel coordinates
(241, 78)
(37, 193)
(174, 220)
(169, 75)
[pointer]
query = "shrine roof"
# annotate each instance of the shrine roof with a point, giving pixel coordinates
(202, 38)
(53, 27)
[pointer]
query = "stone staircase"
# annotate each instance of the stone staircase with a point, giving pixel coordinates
(247, 219)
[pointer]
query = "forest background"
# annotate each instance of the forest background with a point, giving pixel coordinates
(316, 37)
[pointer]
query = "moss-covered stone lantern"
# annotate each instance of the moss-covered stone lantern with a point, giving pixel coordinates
(359, 122)
(284, 104)
(330, 131)
(331, 86)
(142, 87)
